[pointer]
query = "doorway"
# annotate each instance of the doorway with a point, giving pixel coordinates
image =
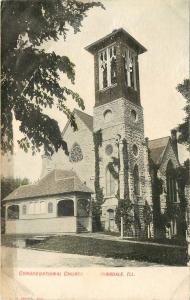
(111, 219)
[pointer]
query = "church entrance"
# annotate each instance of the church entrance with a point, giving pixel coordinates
(111, 219)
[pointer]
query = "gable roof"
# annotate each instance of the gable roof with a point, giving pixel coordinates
(157, 148)
(56, 182)
(85, 118)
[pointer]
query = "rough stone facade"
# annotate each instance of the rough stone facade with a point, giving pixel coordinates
(85, 167)
(169, 155)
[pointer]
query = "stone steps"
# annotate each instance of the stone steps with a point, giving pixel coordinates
(81, 228)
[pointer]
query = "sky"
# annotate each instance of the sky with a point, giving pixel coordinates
(162, 27)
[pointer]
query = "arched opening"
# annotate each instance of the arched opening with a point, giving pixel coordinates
(136, 181)
(110, 183)
(24, 209)
(65, 208)
(110, 219)
(113, 64)
(13, 212)
(42, 207)
(171, 183)
(83, 208)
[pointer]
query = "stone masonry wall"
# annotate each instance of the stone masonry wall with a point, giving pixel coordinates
(84, 168)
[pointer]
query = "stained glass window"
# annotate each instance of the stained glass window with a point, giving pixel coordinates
(75, 153)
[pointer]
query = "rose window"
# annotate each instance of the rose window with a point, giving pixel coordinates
(75, 153)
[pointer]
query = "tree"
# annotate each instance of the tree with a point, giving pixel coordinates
(97, 205)
(125, 210)
(31, 76)
(8, 185)
(184, 128)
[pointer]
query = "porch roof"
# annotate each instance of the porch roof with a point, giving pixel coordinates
(56, 182)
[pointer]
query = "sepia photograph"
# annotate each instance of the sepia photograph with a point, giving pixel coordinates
(95, 140)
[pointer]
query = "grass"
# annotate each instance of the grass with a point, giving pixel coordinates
(108, 248)
(115, 249)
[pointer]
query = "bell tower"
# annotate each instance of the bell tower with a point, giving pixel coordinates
(116, 67)
(119, 115)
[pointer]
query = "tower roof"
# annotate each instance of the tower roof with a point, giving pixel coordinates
(92, 48)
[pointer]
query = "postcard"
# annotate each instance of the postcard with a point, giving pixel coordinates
(95, 190)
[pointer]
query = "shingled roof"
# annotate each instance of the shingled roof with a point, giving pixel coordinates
(56, 182)
(157, 148)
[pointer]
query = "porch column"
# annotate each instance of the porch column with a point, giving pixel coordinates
(75, 206)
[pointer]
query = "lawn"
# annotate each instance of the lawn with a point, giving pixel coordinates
(163, 254)
(116, 249)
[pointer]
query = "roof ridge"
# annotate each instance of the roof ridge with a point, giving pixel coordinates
(81, 111)
(159, 138)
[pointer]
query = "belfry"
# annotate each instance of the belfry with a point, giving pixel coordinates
(119, 116)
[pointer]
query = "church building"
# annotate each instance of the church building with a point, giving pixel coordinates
(109, 151)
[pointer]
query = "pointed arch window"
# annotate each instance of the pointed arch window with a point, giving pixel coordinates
(107, 67)
(130, 68)
(136, 181)
(110, 183)
(171, 182)
(75, 153)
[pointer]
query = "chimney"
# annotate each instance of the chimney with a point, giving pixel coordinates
(47, 165)
(174, 140)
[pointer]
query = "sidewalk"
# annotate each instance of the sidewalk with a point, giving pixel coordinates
(33, 258)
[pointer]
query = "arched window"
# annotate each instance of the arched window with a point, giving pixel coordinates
(103, 80)
(108, 115)
(38, 207)
(171, 182)
(130, 68)
(50, 207)
(24, 209)
(110, 183)
(107, 67)
(65, 208)
(42, 207)
(113, 66)
(136, 181)
(13, 212)
(75, 153)
(31, 207)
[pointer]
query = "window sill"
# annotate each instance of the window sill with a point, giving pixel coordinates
(108, 87)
